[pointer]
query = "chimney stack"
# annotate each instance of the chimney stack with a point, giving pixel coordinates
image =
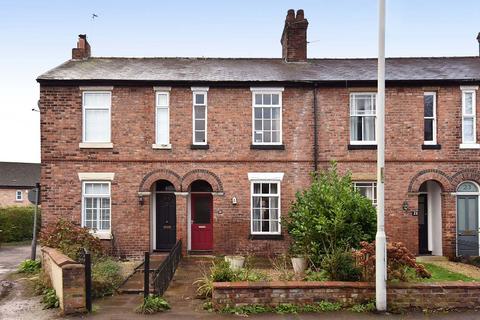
(478, 39)
(294, 37)
(82, 51)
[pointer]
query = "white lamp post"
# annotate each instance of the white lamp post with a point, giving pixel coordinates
(380, 239)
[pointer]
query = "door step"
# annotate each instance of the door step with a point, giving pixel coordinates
(431, 258)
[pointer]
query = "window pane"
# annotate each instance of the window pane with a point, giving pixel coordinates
(428, 127)
(258, 113)
(276, 113)
(276, 136)
(265, 226)
(265, 202)
(275, 99)
(256, 202)
(162, 126)
(162, 99)
(256, 226)
(356, 128)
(256, 188)
(267, 99)
(428, 105)
(265, 188)
(200, 112)
(275, 124)
(258, 98)
(267, 113)
(369, 129)
(258, 125)
(468, 130)
(256, 214)
(96, 100)
(199, 99)
(472, 214)
(274, 226)
(462, 225)
(199, 136)
(267, 136)
(199, 124)
(468, 103)
(467, 187)
(97, 125)
(267, 124)
(258, 137)
(273, 188)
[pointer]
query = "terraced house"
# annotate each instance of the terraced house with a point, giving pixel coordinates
(146, 151)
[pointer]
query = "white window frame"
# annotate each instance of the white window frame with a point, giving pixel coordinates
(469, 90)
(17, 193)
(109, 108)
(373, 185)
(278, 91)
(162, 91)
(434, 118)
(351, 114)
(200, 91)
(266, 177)
(106, 233)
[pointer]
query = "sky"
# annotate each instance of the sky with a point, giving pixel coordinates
(36, 36)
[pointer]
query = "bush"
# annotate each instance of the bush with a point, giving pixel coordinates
(399, 260)
(311, 275)
(29, 266)
(70, 239)
(16, 223)
(153, 304)
(329, 215)
(106, 277)
(50, 299)
(340, 265)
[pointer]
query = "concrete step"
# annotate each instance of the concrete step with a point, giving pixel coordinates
(431, 258)
(134, 283)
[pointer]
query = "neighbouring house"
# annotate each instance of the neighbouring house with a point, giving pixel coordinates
(16, 180)
(147, 151)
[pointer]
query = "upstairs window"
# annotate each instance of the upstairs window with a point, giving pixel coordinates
(430, 118)
(368, 189)
(267, 117)
(162, 118)
(18, 195)
(96, 116)
(469, 118)
(96, 206)
(362, 118)
(199, 116)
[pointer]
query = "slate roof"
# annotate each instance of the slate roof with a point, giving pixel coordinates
(17, 174)
(264, 69)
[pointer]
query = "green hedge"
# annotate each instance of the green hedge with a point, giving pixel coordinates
(16, 223)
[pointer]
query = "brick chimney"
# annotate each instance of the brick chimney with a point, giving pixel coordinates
(82, 51)
(294, 37)
(478, 39)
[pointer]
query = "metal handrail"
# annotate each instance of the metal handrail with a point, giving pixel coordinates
(164, 274)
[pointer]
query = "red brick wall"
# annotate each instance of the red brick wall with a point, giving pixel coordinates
(430, 296)
(230, 158)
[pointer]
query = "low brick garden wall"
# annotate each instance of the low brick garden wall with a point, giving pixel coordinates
(68, 279)
(445, 295)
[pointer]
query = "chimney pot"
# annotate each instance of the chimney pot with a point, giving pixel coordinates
(294, 37)
(478, 39)
(82, 51)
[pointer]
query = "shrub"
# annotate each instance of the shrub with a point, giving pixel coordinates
(106, 277)
(221, 272)
(329, 214)
(311, 275)
(70, 239)
(50, 299)
(152, 304)
(16, 223)
(340, 265)
(363, 307)
(29, 266)
(399, 259)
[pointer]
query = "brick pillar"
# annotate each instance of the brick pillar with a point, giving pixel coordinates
(219, 230)
(449, 224)
(182, 221)
(411, 224)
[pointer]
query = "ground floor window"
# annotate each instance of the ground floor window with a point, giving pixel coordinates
(265, 207)
(96, 206)
(367, 189)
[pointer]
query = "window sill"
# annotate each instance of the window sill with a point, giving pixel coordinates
(266, 237)
(431, 146)
(267, 147)
(162, 146)
(469, 146)
(362, 147)
(102, 235)
(95, 145)
(199, 147)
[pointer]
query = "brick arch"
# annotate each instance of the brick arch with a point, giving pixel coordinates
(160, 174)
(202, 174)
(465, 175)
(430, 174)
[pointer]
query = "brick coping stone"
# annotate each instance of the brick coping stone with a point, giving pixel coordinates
(59, 258)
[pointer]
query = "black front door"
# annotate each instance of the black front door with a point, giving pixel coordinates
(422, 224)
(165, 221)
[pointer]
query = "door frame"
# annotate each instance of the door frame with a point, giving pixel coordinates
(154, 216)
(463, 193)
(189, 218)
(427, 212)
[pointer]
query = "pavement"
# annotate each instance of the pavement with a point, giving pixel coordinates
(11, 256)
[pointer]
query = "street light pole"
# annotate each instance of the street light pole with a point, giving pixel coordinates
(380, 239)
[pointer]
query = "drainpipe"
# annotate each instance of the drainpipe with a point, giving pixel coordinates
(315, 129)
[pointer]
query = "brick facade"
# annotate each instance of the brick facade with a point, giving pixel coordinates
(228, 160)
(8, 197)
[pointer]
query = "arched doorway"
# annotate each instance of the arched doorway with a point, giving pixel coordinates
(430, 218)
(164, 215)
(467, 219)
(201, 216)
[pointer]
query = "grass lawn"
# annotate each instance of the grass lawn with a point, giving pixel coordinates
(442, 274)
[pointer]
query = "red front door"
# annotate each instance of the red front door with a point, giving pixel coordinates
(202, 221)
